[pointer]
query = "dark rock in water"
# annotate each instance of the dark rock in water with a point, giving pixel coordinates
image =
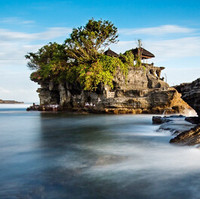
(193, 120)
(159, 120)
(190, 137)
(184, 128)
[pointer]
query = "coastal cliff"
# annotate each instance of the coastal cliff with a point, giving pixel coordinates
(188, 132)
(142, 91)
(185, 133)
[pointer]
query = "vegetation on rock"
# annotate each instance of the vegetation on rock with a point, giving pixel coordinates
(80, 59)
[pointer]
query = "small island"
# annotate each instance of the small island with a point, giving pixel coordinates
(10, 102)
(84, 75)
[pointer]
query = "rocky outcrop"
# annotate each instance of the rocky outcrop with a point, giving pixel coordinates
(191, 94)
(160, 120)
(185, 129)
(189, 137)
(141, 91)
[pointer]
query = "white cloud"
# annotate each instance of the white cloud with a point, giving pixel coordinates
(160, 30)
(50, 33)
(175, 48)
(14, 45)
(165, 49)
(4, 91)
(16, 21)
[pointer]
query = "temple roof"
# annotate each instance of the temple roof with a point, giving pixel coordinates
(145, 53)
(111, 53)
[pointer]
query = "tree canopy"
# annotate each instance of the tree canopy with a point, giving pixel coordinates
(80, 58)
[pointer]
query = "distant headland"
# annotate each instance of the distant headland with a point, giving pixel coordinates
(10, 102)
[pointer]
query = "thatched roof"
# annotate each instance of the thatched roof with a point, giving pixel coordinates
(111, 53)
(145, 53)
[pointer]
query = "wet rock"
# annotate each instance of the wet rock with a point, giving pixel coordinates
(189, 137)
(193, 120)
(159, 120)
(184, 129)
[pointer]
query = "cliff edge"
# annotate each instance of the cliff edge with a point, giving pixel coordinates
(191, 94)
(141, 91)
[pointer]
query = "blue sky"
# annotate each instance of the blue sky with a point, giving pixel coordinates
(170, 29)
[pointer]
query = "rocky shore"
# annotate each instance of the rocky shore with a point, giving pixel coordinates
(186, 130)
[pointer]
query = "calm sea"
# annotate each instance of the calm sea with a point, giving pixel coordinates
(68, 156)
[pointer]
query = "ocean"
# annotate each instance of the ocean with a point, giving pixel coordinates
(71, 156)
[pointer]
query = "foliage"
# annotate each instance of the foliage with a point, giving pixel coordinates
(101, 71)
(80, 59)
(50, 62)
(51, 52)
(138, 61)
(85, 42)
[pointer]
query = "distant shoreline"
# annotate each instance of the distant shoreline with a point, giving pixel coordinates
(10, 102)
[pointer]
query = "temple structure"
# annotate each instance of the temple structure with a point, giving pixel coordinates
(142, 54)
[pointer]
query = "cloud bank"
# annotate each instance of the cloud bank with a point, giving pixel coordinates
(160, 30)
(165, 49)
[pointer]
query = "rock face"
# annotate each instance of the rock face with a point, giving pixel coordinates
(191, 94)
(141, 91)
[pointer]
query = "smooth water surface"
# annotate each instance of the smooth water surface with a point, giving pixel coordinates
(63, 156)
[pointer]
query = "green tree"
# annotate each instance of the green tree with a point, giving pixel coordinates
(50, 61)
(80, 60)
(85, 42)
